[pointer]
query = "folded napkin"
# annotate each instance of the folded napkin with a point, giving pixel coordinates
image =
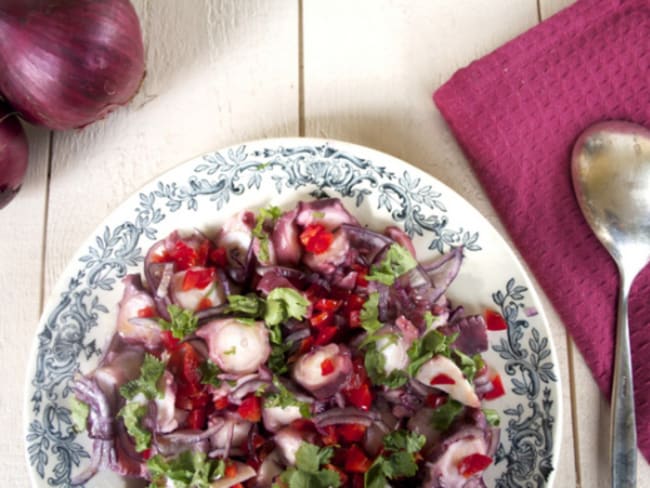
(517, 113)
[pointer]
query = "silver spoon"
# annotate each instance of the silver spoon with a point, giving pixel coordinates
(611, 178)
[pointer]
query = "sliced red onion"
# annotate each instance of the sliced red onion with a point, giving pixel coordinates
(99, 458)
(208, 314)
(347, 415)
(401, 238)
(444, 269)
(238, 394)
(181, 440)
(297, 335)
(369, 243)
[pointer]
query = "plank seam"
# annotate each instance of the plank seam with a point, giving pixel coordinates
(301, 73)
(50, 149)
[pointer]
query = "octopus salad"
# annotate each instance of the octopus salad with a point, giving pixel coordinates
(294, 348)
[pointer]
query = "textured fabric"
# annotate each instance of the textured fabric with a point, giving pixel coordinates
(517, 113)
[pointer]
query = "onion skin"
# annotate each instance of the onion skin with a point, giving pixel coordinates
(69, 62)
(13, 155)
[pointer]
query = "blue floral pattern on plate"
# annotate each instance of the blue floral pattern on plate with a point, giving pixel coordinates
(373, 185)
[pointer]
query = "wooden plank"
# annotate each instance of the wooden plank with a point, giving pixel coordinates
(590, 409)
(370, 68)
(23, 222)
(218, 73)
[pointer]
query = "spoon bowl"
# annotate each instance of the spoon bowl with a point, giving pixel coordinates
(610, 167)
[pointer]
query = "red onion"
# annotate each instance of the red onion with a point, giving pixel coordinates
(13, 155)
(69, 62)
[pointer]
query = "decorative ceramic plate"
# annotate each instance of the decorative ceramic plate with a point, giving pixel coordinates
(379, 190)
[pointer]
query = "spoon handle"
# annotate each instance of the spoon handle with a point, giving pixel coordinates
(623, 425)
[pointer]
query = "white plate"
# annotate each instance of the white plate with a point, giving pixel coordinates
(379, 190)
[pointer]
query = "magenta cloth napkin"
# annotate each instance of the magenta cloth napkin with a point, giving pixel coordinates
(517, 113)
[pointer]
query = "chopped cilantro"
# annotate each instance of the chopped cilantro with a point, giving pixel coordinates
(277, 362)
(190, 469)
(444, 415)
(468, 365)
(370, 314)
(432, 344)
(250, 305)
(404, 440)
(284, 303)
(209, 372)
(375, 363)
(183, 322)
(284, 398)
(132, 414)
(147, 383)
(492, 417)
(397, 460)
(318, 215)
(428, 318)
(79, 412)
(308, 471)
(398, 261)
(231, 351)
(270, 213)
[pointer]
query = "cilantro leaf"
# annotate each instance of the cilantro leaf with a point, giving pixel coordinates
(370, 314)
(468, 365)
(375, 363)
(79, 412)
(492, 417)
(397, 461)
(277, 362)
(445, 414)
(270, 213)
(132, 414)
(398, 261)
(190, 469)
(209, 372)
(147, 383)
(284, 398)
(432, 344)
(308, 471)
(183, 322)
(284, 303)
(404, 440)
(249, 304)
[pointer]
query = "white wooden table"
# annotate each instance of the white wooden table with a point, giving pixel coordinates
(223, 72)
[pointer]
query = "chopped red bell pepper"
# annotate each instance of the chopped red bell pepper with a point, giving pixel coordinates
(219, 256)
(322, 319)
(198, 278)
(360, 397)
(327, 366)
(231, 470)
(327, 305)
(250, 409)
(356, 460)
(354, 319)
(497, 388)
(434, 400)
(351, 432)
(146, 454)
(169, 341)
(204, 303)
(221, 403)
(494, 320)
(330, 438)
(325, 335)
(472, 464)
(442, 379)
(147, 312)
(316, 239)
(196, 419)
(362, 271)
